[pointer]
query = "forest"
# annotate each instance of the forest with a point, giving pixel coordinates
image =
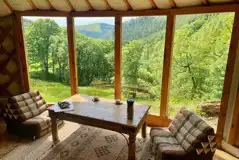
(200, 53)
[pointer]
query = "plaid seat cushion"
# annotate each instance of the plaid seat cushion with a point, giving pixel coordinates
(187, 137)
(190, 130)
(33, 127)
(40, 122)
(24, 106)
(164, 145)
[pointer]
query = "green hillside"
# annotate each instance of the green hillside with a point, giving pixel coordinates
(97, 30)
(199, 58)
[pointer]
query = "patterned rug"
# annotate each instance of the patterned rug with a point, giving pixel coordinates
(85, 143)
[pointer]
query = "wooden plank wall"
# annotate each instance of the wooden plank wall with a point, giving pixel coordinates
(228, 79)
(22, 57)
(234, 132)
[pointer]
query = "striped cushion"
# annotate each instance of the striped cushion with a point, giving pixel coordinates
(187, 137)
(189, 129)
(25, 106)
(164, 145)
(33, 127)
(43, 121)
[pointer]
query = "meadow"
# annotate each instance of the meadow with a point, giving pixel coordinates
(54, 92)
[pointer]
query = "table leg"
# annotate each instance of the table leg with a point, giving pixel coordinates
(54, 129)
(131, 152)
(143, 130)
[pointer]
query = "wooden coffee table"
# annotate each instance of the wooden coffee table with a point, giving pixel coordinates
(104, 114)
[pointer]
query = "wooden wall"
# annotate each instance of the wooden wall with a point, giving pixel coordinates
(9, 73)
(236, 121)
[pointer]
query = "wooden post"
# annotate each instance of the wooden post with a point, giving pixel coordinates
(72, 54)
(22, 57)
(235, 122)
(167, 65)
(228, 79)
(118, 55)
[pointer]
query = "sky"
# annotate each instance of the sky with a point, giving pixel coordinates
(81, 21)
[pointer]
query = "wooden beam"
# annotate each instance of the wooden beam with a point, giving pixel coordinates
(153, 4)
(108, 5)
(89, 5)
(155, 12)
(172, 3)
(70, 5)
(205, 2)
(22, 57)
(50, 5)
(167, 65)
(118, 56)
(43, 13)
(206, 9)
(72, 55)
(235, 122)
(157, 121)
(32, 4)
(127, 4)
(8, 5)
(119, 13)
(228, 79)
(237, 139)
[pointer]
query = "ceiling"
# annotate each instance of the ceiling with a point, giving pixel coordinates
(9, 6)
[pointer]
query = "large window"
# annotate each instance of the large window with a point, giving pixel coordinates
(47, 53)
(95, 56)
(142, 59)
(199, 61)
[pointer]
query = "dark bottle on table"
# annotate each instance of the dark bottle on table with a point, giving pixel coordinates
(130, 108)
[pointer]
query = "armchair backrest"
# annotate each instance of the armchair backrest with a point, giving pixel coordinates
(24, 106)
(192, 132)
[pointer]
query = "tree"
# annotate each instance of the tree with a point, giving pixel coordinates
(131, 63)
(59, 56)
(38, 42)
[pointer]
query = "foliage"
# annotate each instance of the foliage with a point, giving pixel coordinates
(97, 30)
(200, 54)
(38, 43)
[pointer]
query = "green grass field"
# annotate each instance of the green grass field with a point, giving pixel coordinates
(54, 92)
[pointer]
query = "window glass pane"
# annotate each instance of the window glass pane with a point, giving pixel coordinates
(199, 62)
(142, 59)
(47, 53)
(95, 56)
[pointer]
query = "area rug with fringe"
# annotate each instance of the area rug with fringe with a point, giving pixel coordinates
(85, 143)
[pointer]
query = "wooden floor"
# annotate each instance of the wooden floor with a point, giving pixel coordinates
(8, 143)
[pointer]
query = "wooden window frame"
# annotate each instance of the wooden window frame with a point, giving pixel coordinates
(118, 46)
(228, 79)
(167, 65)
(21, 52)
(72, 54)
(118, 56)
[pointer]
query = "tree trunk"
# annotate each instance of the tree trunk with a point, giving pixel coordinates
(193, 89)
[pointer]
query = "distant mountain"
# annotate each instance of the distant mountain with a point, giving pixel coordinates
(97, 30)
(134, 29)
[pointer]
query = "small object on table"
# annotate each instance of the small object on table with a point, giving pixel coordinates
(64, 105)
(118, 102)
(96, 99)
(130, 109)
